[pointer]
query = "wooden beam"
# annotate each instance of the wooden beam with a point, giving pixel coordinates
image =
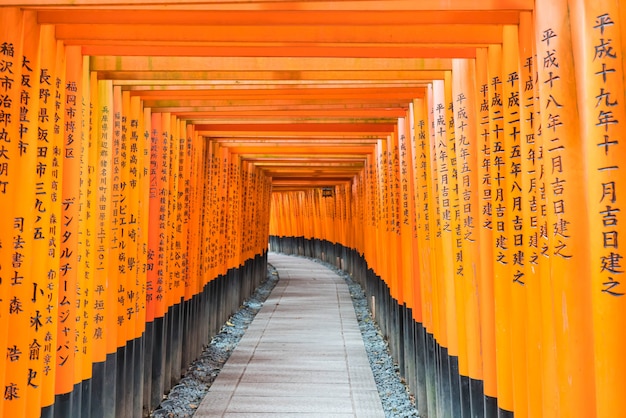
(457, 34)
(320, 164)
(133, 48)
(277, 17)
(353, 114)
(326, 159)
(313, 174)
(173, 84)
(145, 85)
(281, 136)
(295, 141)
(332, 5)
(283, 65)
(308, 182)
(285, 93)
(279, 75)
(335, 127)
(263, 107)
(244, 120)
(311, 153)
(156, 104)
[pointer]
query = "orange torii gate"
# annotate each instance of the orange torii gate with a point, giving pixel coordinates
(460, 158)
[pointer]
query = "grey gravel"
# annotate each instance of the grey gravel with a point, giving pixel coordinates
(184, 398)
(394, 394)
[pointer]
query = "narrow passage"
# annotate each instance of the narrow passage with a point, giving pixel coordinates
(302, 355)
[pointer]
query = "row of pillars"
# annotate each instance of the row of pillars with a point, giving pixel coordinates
(493, 214)
(126, 239)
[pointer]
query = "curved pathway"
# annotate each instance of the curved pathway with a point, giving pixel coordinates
(303, 354)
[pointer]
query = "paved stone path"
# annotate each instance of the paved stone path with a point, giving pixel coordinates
(303, 354)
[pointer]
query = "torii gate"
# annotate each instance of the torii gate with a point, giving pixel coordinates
(471, 149)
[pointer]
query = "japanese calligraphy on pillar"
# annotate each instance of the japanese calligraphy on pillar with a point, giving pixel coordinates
(532, 164)
(440, 161)
(143, 151)
(84, 288)
(464, 167)
(567, 218)
(464, 95)
(534, 319)
(175, 221)
(501, 237)
(163, 280)
(383, 180)
(214, 198)
(204, 207)
(441, 193)
(177, 209)
(247, 193)
(223, 206)
(152, 260)
(186, 206)
(455, 292)
(158, 212)
(371, 171)
(394, 166)
(406, 183)
(102, 234)
(69, 102)
(408, 244)
(553, 130)
(116, 246)
(122, 212)
(9, 65)
(498, 162)
(17, 238)
(513, 168)
(133, 290)
(234, 179)
(11, 264)
(601, 42)
(423, 184)
(32, 185)
(609, 186)
(453, 173)
(485, 186)
(46, 163)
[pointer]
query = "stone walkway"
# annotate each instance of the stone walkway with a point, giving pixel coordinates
(303, 354)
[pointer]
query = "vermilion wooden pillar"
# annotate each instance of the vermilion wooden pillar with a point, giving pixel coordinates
(598, 52)
(570, 291)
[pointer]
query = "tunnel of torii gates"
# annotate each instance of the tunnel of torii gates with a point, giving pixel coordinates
(461, 159)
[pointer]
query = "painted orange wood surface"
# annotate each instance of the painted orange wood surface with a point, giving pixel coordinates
(600, 96)
(569, 250)
(468, 151)
(485, 219)
(464, 98)
(18, 238)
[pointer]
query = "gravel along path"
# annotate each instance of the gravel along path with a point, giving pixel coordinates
(186, 396)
